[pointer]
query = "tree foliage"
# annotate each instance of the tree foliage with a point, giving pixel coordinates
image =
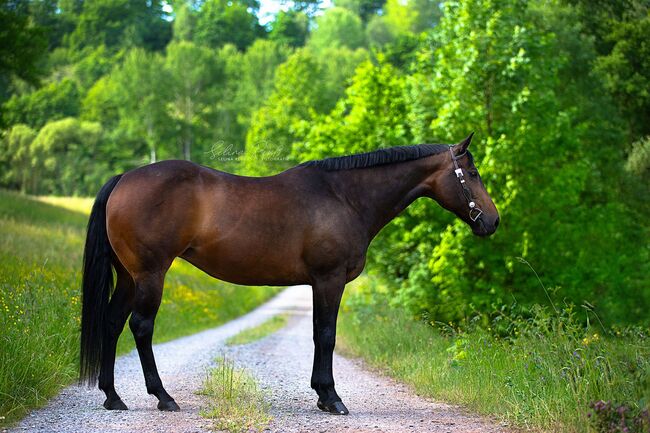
(22, 43)
(338, 27)
(556, 91)
(116, 23)
(220, 22)
(17, 158)
(55, 100)
(290, 28)
(66, 158)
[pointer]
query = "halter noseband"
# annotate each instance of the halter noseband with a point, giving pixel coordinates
(474, 211)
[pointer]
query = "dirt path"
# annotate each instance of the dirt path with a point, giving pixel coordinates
(282, 364)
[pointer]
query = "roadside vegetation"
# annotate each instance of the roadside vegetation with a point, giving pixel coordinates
(41, 245)
(258, 332)
(534, 368)
(237, 404)
(556, 91)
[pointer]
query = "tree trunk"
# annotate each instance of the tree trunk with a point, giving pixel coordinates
(152, 143)
(187, 148)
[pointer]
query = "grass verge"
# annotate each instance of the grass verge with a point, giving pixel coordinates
(41, 247)
(258, 332)
(237, 404)
(548, 373)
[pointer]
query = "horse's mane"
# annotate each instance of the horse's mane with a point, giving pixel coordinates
(378, 157)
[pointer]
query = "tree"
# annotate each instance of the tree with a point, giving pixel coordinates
(22, 44)
(142, 86)
(638, 162)
(549, 157)
(55, 100)
(306, 86)
(290, 28)
(370, 116)
(338, 66)
(275, 125)
(95, 63)
(16, 157)
(379, 32)
(195, 73)
(365, 9)
(251, 81)
(220, 22)
(121, 23)
(337, 27)
(626, 71)
(66, 158)
(184, 22)
(619, 29)
(412, 16)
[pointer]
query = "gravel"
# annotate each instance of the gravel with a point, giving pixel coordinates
(281, 363)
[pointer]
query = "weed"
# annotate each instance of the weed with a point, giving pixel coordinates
(237, 404)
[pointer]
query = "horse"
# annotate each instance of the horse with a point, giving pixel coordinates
(311, 224)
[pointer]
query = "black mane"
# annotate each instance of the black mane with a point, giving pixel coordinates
(378, 157)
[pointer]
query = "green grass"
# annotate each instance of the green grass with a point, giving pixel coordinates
(543, 376)
(258, 332)
(237, 404)
(41, 247)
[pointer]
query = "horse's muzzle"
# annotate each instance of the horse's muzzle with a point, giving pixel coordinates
(484, 228)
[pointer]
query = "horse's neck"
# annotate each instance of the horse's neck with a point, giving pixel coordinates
(380, 193)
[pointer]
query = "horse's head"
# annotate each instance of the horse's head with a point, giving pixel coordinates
(458, 188)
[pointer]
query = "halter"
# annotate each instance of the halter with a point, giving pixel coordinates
(474, 211)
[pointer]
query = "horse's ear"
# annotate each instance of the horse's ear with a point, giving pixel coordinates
(461, 147)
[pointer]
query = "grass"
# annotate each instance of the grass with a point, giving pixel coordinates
(41, 246)
(543, 375)
(237, 404)
(258, 332)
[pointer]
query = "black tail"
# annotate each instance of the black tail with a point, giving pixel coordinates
(97, 286)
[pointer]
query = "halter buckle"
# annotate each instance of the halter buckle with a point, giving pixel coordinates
(475, 213)
(459, 172)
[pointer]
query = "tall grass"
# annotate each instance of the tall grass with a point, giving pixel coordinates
(41, 246)
(540, 371)
(236, 403)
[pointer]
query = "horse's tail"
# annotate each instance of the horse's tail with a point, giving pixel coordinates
(97, 285)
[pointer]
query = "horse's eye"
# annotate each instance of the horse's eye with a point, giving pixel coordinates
(473, 173)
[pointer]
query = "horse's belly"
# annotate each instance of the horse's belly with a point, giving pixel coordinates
(241, 265)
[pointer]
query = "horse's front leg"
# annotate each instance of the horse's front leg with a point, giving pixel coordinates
(327, 298)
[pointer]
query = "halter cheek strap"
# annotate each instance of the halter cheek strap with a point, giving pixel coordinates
(474, 211)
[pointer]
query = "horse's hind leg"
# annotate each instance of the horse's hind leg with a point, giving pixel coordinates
(327, 298)
(148, 294)
(119, 309)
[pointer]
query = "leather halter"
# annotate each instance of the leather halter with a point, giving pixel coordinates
(474, 211)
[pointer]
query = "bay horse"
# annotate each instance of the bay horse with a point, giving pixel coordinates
(311, 224)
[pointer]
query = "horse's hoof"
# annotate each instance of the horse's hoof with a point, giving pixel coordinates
(168, 406)
(336, 408)
(115, 405)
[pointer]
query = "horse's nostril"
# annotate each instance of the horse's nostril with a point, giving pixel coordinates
(496, 223)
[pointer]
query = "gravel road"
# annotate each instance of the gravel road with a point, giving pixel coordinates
(281, 363)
